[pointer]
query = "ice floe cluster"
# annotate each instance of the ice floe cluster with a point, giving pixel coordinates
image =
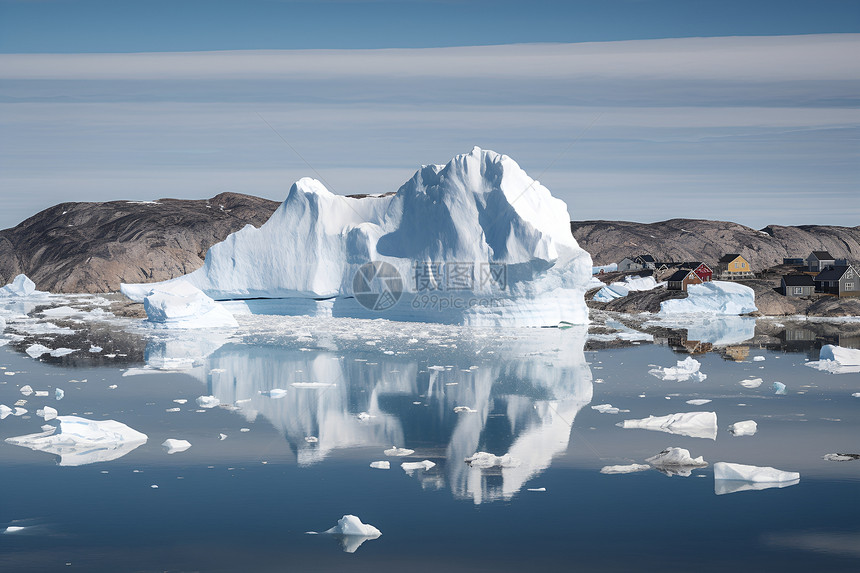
(714, 297)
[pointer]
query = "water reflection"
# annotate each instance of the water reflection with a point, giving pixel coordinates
(521, 393)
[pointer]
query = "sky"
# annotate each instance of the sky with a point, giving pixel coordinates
(626, 109)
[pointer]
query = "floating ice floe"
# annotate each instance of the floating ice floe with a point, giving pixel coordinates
(59, 393)
(410, 467)
(622, 288)
(778, 388)
(837, 360)
(380, 465)
(311, 439)
(464, 410)
(208, 401)
(20, 287)
(26, 390)
(693, 424)
(80, 441)
(676, 457)
(624, 469)
(36, 350)
(95, 349)
(173, 445)
(5, 411)
(473, 211)
(485, 460)
(353, 532)
(47, 413)
(179, 304)
(274, 393)
(758, 358)
(731, 478)
(751, 383)
(608, 409)
(57, 352)
(841, 457)
(714, 297)
(394, 451)
(698, 401)
(686, 369)
(745, 428)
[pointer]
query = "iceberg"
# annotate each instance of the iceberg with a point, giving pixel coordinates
(745, 428)
(621, 289)
(491, 244)
(686, 369)
(178, 304)
(731, 478)
(21, 286)
(692, 424)
(625, 469)
(714, 297)
(208, 401)
(380, 465)
(398, 452)
(353, 532)
(837, 360)
(676, 457)
(80, 441)
(608, 409)
(172, 445)
(410, 467)
(47, 413)
(751, 383)
(779, 388)
(486, 460)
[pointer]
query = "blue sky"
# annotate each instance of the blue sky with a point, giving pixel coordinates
(756, 122)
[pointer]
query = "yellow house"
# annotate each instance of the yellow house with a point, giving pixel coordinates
(733, 267)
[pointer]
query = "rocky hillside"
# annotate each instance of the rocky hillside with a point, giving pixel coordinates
(93, 247)
(696, 239)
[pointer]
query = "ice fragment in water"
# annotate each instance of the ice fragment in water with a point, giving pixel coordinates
(751, 383)
(488, 460)
(608, 409)
(698, 402)
(778, 388)
(353, 532)
(463, 410)
(693, 424)
(758, 358)
(837, 360)
(222, 437)
(36, 350)
(841, 457)
(687, 369)
(311, 439)
(624, 469)
(47, 413)
(58, 393)
(731, 478)
(675, 457)
(412, 466)
(745, 428)
(95, 349)
(395, 451)
(26, 390)
(536, 489)
(172, 445)
(274, 393)
(4, 411)
(208, 401)
(380, 465)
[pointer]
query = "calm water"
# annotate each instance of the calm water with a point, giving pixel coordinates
(244, 503)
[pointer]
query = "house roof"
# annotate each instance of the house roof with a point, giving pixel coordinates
(647, 258)
(729, 258)
(692, 265)
(798, 280)
(822, 255)
(832, 274)
(678, 276)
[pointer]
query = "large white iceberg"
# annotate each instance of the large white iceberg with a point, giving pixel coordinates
(693, 424)
(731, 478)
(837, 360)
(21, 286)
(714, 297)
(178, 304)
(80, 441)
(621, 289)
(476, 241)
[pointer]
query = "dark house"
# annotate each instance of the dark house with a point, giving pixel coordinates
(839, 281)
(819, 261)
(680, 280)
(797, 285)
(636, 263)
(794, 262)
(704, 271)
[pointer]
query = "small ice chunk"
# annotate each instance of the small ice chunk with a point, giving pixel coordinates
(488, 460)
(380, 465)
(758, 358)
(57, 352)
(113, 387)
(274, 393)
(536, 489)
(841, 457)
(311, 385)
(751, 383)
(181, 401)
(353, 532)
(172, 410)
(693, 424)
(179, 304)
(222, 437)
(208, 401)
(755, 474)
(675, 457)
(19, 412)
(4, 411)
(59, 393)
(14, 529)
(95, 349)
(778, 388)
(312, 439)
(398, 452)
(21, 286)
(41, 393)
(855, 395)
(244, 430)
(464, 410)
(608, 409)
(364, 416)
(412, 466)
(47, 413)
(687, 369)
(624, 469)
(172, 445)
(698, 401)
(26, 390)
(745, 428)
